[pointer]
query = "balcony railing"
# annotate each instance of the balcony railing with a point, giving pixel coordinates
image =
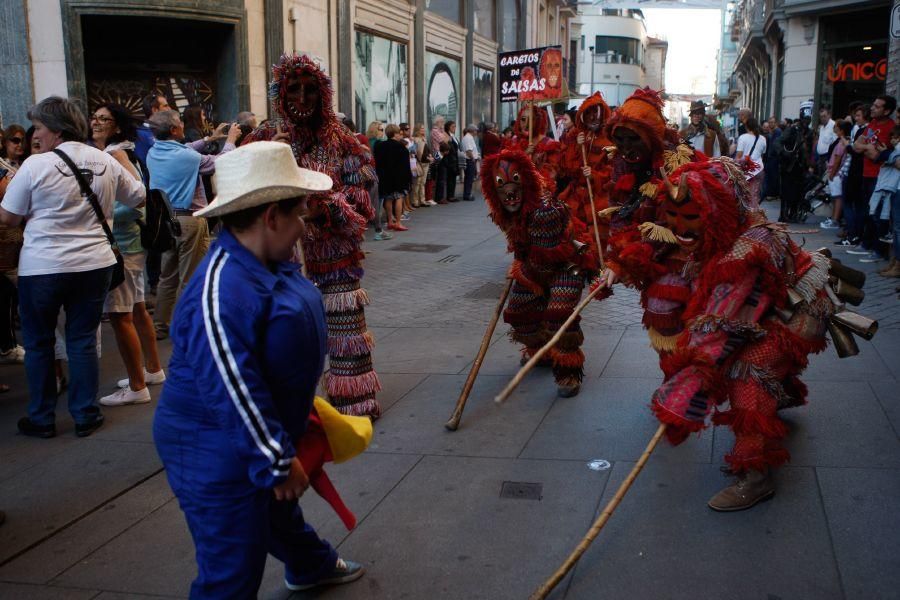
(749, 18)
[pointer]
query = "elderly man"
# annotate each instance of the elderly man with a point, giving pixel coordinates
(470, 149)
(249, 344)
(177, 170)
(825, 137)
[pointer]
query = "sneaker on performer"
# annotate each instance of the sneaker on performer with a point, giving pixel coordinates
(871, 257)
(828, 224)
(383, 235)
(124, 396)
(149, 378)
(13, 356)
(858, 249)
(344, 571)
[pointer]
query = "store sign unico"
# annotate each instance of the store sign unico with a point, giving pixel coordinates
(860, 71)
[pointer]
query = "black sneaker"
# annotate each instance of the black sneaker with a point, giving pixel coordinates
(344, 571)
(86, 429)
(26, 427)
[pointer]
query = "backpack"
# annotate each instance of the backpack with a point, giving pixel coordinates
(161, 228)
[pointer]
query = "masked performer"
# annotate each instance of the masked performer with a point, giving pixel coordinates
(550, 262)
(530, 137)
(644, 146)
(301, 94)
(590, 121)
(753, 307)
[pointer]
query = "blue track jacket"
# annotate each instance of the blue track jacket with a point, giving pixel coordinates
(248, 350)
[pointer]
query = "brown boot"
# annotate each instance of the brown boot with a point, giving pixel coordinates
(892, 272)
(890, 266)
(747, 490)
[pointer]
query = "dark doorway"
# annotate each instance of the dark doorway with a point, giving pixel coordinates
(191, 62)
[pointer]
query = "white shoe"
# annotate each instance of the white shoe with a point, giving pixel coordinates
(149, 378)
(13, 356)
(828, 224)
(431, 203)
(126, 395)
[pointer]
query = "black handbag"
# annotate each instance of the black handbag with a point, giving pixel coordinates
(118, 273)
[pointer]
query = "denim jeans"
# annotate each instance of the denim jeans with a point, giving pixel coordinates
(895, 223)
(469, 179)
(40, 299)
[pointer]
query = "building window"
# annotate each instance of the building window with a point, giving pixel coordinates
(381, 83)
(442, 92)
(449, 9)
(511, 17)
(483, 99)
(484, 18)
(618, 50)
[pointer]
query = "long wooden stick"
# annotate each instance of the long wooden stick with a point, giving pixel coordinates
(545, 349)
(453, 423)
(590, 189)
(543, 591)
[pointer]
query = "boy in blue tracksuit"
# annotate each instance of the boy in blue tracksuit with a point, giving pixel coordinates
(248, 349)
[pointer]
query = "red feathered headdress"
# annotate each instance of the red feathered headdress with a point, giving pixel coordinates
(642, 112)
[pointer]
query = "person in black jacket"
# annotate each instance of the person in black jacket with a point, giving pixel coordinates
(452, 165)
(394, 175)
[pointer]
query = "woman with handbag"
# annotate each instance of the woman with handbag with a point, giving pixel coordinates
(68, 259)
(113, 131)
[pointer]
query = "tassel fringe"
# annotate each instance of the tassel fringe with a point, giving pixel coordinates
(815, 279)
(606, 213)
(355, 386)
(657, 233)
(351, 345)
(345, 301)
(662, 343)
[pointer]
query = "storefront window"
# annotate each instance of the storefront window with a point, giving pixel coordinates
(449, 9)
(511, 17)
(381, 84)
(442, 91)
(853, 61)
(483, 95)
(618, 50)
(484, 18)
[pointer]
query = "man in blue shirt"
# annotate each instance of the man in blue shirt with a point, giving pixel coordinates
(248, 340)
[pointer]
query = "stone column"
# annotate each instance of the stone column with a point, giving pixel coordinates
(892, 84)
(418, 61)
(16, 86)
(345, 59)
(468, 69)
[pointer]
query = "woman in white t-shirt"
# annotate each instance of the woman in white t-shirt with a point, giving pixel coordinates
(66, 261)
(752, 145)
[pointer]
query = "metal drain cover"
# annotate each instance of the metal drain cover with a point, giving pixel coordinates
(427, 248)
(519, 490)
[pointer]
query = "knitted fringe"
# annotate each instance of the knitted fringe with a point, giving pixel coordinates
(326, 247)
(713, 323)
(567, 358)
(348, 261)
(337, 276)
(657, 233)
(815, 279)
(678, 428)
(751, 422)
(345, 301)
(351, 345)
(662, 343)
(557, 254)
(353, 386)
(672, 159)
(366, 408)
(769, 458)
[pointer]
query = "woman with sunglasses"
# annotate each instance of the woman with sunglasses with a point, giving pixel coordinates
(14, 151)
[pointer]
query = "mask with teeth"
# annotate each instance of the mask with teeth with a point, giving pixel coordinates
(683, 214)
(630, 145)
(301, 92)
(508, 183)
(301, 96)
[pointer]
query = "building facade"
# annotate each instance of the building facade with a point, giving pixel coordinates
(788, 51)
(391, 60)
(615, 56)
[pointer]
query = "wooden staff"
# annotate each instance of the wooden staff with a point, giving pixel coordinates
(590, 189)
(453, 423)
(543, 591)
(545, 349)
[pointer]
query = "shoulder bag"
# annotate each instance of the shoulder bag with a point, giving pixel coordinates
(118, 274)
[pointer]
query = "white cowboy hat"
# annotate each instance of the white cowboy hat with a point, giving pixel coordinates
(260, 173)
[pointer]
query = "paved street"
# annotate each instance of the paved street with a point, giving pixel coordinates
(94, 517)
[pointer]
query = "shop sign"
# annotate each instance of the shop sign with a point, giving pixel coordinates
(535, 74)
(858, 71)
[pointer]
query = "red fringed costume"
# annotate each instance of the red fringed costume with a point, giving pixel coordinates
(550, 261)
(740, 344)
(590, 121)
(635, 182)
(301, 96)
(545, 150)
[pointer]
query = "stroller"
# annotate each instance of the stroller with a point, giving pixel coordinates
(815, 196)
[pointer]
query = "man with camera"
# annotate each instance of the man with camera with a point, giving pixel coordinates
(178, 169)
